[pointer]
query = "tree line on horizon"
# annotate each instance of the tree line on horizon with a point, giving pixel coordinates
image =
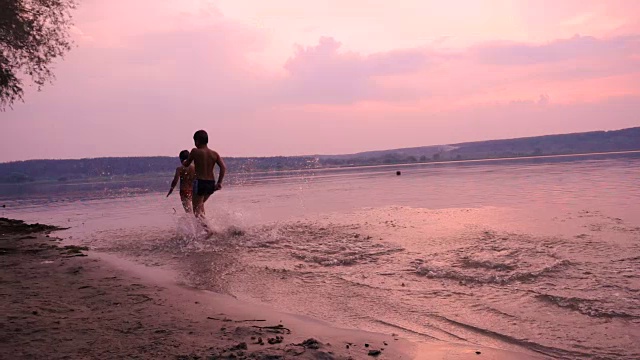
(119, 167)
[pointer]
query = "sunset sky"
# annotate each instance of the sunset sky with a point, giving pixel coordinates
(288, 77)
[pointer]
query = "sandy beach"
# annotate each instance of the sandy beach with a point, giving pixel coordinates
(64, 302)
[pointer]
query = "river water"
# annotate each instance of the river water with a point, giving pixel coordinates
(534, 255)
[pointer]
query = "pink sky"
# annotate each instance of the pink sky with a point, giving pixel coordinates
(288, 77)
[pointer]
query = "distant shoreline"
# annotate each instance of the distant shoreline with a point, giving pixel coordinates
(597, 143)
(128, 178)
(453, 161)
(97, 187)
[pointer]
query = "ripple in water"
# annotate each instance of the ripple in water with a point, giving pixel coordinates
(493, 260)
(328, 245)
(588, 307)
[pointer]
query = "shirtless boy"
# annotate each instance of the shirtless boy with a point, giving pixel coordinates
(204, 160)
(186, 175)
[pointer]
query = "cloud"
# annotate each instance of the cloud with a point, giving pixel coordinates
(326, 74)
(188, 65)
(323, 74)
(543, 100)
(575, 48)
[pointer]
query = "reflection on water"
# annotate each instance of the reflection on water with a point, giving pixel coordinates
(532, 255)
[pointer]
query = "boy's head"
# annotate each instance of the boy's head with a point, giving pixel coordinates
(184, 155)
(201, 138)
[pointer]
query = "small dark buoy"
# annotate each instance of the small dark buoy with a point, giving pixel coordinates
(398, 173)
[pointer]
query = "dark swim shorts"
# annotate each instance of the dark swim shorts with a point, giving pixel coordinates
(204, 187)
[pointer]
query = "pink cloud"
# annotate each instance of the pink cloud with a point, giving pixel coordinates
(324, 74)
(575, 48)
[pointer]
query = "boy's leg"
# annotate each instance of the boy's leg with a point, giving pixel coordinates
(196, 200)
(187, 202)
(198, 208)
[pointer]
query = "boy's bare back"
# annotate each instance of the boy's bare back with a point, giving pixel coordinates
(205, 160)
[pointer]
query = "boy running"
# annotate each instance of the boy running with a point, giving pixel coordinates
(186, 175)
(204, 160)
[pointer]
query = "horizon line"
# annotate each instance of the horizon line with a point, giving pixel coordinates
(354, 153)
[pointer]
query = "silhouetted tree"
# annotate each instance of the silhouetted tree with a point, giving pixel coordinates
(32, 34)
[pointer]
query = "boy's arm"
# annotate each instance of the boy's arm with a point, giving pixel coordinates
(189, 160)
(176, 177)
(223, 170)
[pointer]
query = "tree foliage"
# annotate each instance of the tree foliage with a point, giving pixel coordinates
(32, 34)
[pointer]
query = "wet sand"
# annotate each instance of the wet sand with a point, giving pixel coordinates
(68, 303)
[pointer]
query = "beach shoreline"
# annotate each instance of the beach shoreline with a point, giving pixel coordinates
(67, 302)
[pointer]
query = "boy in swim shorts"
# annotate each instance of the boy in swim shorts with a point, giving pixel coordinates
(186, 175)
(205, 161)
